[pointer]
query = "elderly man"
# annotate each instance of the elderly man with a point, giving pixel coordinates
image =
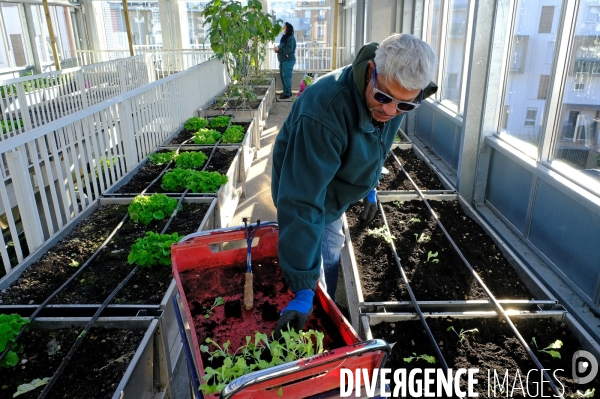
(329, 154)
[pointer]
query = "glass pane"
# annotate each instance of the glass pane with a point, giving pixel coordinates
(455, 49)
(41, 33)
(433, 35)
(529, 69)
(15, 33)
(144, 19)
(577, 142)
(197, 33)
(64, 31)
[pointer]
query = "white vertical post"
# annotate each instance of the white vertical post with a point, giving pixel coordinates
(122, 75)
(128, 134)
(79, 79)
(150, 67)
(25, 197)
(23, 106)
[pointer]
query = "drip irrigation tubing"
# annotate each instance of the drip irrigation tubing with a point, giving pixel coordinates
(414, 299)
(499, 307)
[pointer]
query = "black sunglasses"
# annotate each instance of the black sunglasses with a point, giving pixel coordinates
(383, 98)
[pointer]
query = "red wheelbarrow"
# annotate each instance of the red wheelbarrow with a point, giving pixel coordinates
(212, 264)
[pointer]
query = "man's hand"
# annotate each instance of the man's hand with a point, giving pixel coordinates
(296, 312)
(370, 208)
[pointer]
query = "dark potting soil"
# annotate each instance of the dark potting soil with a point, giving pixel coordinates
(232, 322)
(93, 372)
(494, 347)
(148, 285)
(105, 272)
(417, 169)
(446, 279)
(186, 135)
(54, 267)
(219, 162)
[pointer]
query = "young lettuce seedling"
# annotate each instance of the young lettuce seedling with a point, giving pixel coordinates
(427, 358)
(381, 232)
(463, 333)
(433, 256)
(218, 302)
(422, 238)
(589, 393)
(555, 345)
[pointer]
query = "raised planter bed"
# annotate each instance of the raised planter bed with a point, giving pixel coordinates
(421, 171)
(369, 265)
(119, 357)
(493, 347)
(255, 110)
(226, 160)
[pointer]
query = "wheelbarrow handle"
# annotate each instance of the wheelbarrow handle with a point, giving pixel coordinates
(223, 230)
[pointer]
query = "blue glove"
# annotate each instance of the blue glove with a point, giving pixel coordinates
(370, 208)
(296, 312)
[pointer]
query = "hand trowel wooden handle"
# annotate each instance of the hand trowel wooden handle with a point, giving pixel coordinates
(248, 292)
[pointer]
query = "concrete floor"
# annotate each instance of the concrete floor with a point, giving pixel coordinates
(258, 205)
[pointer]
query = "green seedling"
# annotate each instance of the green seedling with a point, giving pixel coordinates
(153, 249)
(397, 139)
(549, 349)
(218, 302)
(74, 263)
(161, 158)
(427, 358)
(292, 346)
(381, 232)
(432, 256)
(10, 327)
(422, 238)
(399, 204)
(589, 393)
(146, 208)
(463, 333)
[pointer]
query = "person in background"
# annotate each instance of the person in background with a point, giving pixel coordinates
(286, 55)
(329, 153)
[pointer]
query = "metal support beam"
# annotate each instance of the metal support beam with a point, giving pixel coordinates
(51, 33)
(128, 27)
(37, 62)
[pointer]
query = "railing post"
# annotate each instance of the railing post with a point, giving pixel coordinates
(21, 181)
(23, 106)
(122, 76)
(150, 67)
(128, 134)
(82, 89)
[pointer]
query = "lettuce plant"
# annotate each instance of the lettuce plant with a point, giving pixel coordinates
(190, 160)
(144, 209)
(219, 121)
(205, 182)
(176, 180)
(206, 136)
(10, 327)
(233, 134)
(153, 249)
(194, 124)
(161, 158)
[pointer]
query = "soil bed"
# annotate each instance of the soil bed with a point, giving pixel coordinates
(220, 162)
(94, 371)
(103, 275)
(447, 279)
(493, 347)
(417, 169)
(186, 135)
(271, 295)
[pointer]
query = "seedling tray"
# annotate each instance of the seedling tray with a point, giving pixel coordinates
(357, 303)
(219, 254)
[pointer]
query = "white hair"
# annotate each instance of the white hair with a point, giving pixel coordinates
(408, 60)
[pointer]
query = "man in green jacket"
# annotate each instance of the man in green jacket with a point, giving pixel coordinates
(329, 153)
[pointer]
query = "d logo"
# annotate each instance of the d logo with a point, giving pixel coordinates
(584, 366)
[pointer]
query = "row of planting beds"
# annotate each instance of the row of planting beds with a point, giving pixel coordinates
(131, 344)
(463, 292)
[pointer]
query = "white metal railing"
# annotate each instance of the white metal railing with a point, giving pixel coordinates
(307, 58)
(31, 101)
(86, 57)
(55, 171)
